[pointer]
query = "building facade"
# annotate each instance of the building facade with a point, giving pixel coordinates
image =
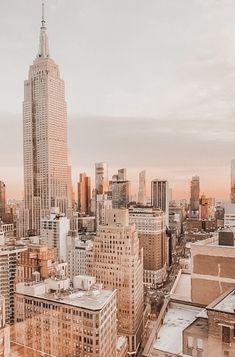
(117, 262)
(142, 188)
(66, 322)
(2, 200)
(150, 225)
(194, 196)
(101, 177)
(46, 170)
(84, 194)
(160, 197)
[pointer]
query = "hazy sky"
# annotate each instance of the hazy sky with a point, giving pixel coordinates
(150, 84)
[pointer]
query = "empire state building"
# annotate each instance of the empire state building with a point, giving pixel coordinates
(47, 181)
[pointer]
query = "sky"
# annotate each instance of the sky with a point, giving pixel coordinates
(150, 84)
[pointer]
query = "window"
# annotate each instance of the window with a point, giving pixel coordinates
(225, 334)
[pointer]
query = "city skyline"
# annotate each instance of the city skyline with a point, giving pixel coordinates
(205, 122)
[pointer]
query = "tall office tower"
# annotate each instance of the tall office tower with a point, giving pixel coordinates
(84, 194)
(121, 190)
(142, 188)
(101, 177)
(2, 200)
(37, 258)
(117, 262)
(160, 197)
(103, 202)
(8, 257)
(46, 170)
(54, 231)
(4, 331)
(194, 196)
(56, 320)
(151, 228)
(232, 195)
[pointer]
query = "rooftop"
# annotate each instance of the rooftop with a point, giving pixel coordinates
(94, 299)
(177, 318)
(227, 303)
(181, 289)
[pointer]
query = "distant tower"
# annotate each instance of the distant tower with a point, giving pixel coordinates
(142, 188)
(232, 195)
(84, 194)
(46, 172)
(2, 200)
(194, 197)
(101, 177)
(160, 196)
(121, 190)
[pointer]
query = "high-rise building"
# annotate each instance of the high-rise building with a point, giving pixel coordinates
(56, 320)
(54, 232)
(4, 331)
(2, 200)
(117, 262)
(101, 177)
(160, 197)
(103, 202)
(121, 190)
(232, 194)
(46, 169)
(142, 188)
(84, 194)
(151, 228)
(207, 207)
(8, 262)
(194, 196)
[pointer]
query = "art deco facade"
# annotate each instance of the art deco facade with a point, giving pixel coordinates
(62, 322)
(117, 262)
(150, 225)
(46, 170)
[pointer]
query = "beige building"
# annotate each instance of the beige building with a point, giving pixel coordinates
(121, 190)
(150, 225)
(84, 194)
(2, 200)
(9, 256)
(117, 262)
(213, 268)
(4, 331)
(36, 258)
(62, 322)
(46, 169)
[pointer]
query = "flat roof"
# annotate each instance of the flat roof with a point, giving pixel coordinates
(182, 288)
(169, 338)
(177, 318)
(94, 299)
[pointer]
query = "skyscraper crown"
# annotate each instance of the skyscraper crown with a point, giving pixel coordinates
(43, 51)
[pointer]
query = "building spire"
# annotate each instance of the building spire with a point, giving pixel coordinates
(43, 51)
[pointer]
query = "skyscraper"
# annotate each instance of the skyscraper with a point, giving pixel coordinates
(232, 195)
(2, 200)
(46, 171)
(101, 177)
(194, 197)
(142, 188)
(84, 194)
(117, 262)
(160, 196)
(121, 190)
